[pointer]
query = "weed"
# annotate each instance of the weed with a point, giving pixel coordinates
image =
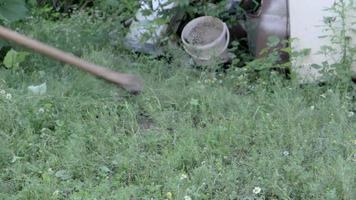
(240, 139)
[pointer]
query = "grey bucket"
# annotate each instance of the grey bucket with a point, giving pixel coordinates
(206, 38)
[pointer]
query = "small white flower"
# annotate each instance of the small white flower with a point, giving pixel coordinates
(323, 96)
(183, 177)
(350, 114)
(286, 153)
(56, 193)
(2, 92)
(256, 190)
(41, 110)
(15, 158)
(187, 198)
(312, 107)
(220, 81)
(8, 96)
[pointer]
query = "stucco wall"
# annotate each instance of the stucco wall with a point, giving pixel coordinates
(306, 18)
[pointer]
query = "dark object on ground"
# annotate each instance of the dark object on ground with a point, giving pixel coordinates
(125, 81)
(3, 52)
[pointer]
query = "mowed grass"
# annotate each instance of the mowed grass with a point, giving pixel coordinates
(184, 137)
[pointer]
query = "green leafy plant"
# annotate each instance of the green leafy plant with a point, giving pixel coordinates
(13, 58)
(11, 11)
(339, 26)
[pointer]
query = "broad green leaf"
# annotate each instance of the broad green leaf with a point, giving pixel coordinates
(14, 58)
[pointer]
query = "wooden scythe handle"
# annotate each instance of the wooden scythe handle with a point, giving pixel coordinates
(126, 81)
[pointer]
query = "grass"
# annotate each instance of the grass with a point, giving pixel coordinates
(185, 135)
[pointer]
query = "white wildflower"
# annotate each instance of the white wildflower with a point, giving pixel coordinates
(312, 107)
(41, 110)
(183, 177)
(256, 190)
(286, 153)
(8, 96)
(187, 198)
(56, 193)
(15, 158)
(350, 114)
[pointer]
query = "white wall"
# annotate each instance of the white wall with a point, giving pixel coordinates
(306, 18)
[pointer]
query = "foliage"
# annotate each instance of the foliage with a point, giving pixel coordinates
(198, 133)
(84, 140)
(64, 5)
(107, 6)
(11, 11)
(342, 51)
(14, 58)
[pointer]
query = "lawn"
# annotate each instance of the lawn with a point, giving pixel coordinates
(191, 134)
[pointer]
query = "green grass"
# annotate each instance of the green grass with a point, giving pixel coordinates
(94, 141)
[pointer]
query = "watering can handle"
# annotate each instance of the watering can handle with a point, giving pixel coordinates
(125, 81)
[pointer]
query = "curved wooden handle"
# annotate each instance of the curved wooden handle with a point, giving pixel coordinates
(126, 81)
